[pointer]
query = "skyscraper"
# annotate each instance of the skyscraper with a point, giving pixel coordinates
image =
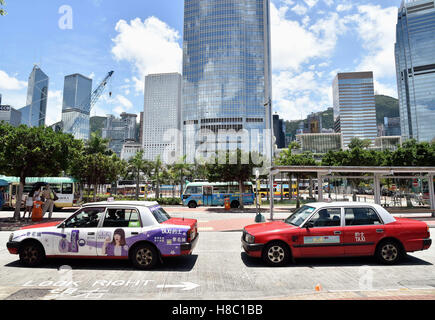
(120, 131)
(76, 104)
(415, 69)
(355, 106)
(162, 117)
(226, 74)
(33, 114)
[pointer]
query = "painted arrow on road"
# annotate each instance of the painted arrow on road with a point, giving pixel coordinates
(187, 286)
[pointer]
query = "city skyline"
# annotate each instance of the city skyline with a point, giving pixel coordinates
(324, 30)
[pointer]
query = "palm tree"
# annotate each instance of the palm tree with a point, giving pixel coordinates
(136, 165)
(96, 144)
(180, 170)
(157, 168)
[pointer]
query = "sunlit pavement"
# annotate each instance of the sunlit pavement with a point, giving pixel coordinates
(209, 219)
(218, 269)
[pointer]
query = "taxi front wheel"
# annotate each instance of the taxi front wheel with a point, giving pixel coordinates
(144, 257)
(31, 254)
(276, 254)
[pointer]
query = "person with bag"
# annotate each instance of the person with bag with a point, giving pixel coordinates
(50, 197)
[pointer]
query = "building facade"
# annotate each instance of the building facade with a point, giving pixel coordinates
(34, 113)
(320, 143)
(162, 117)
(129, 150)
(76, 106)
(10, 115)
(226, 76)
(355, 106)
(415, 68)
(279, 131)
(120, 131)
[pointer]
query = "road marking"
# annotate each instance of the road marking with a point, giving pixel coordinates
(205, 229)
(187, 286)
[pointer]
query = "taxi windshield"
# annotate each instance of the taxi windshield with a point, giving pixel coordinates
(160, 214)
(299, 216)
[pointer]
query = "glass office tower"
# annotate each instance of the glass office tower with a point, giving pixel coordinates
(33, 114)
(76, 106)
(226, 74)
(162, 115)
(415, 69)
(355, 106)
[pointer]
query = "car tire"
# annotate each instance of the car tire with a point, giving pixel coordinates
(31, 254)
(276, 254)
(192, 205)
(235, 204)
(389, 252)
(144, 257)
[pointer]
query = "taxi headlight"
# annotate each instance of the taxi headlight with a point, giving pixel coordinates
(249, 238)
(11, 237)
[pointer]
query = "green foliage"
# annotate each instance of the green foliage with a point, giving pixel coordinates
(2, 11)
(386, 107)
(35, 152)
(96, 164)
(97, 124)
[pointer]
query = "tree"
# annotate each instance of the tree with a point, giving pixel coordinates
(358, 143)
(39, 151)
(96, 165)
(180, 171)
(288, 159)
(157, 167)
(240, 171)
(136, 166)
(2, 11)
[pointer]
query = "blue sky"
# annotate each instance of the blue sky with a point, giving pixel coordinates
(312, 40)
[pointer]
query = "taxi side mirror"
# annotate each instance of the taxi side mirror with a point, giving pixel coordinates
(62, 225)
(309, 225)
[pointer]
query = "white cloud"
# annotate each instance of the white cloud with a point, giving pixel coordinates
(311, 3)
(344, 7)
(376, 29)
(151, 46)
(54, 107)
(10, 83)
(299, 9)
(317, 41)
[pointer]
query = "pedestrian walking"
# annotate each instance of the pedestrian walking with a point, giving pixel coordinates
(29, 204)
(49, 197)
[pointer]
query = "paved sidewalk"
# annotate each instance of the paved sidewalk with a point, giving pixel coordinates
(209, 219)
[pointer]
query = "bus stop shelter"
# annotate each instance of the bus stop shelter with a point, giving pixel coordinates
(375, 173)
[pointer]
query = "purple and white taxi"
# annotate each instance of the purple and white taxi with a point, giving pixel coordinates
(140, 231)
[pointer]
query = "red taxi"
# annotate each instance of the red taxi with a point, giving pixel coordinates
(336, 230)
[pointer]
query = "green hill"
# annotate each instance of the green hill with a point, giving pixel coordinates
(97, 124)
(385, 107)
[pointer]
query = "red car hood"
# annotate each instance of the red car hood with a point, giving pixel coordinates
(254, 229)
(182, 222)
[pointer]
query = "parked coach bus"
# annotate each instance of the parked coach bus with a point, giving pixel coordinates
(214, 194)
(65, 188)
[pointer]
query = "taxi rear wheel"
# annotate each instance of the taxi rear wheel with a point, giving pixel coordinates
(31, 254)
(276, 254)
(389, 252)
(144, 257)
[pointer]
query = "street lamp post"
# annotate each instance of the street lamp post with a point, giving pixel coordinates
(269, 114)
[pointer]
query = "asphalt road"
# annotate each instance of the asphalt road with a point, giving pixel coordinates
(218, 269)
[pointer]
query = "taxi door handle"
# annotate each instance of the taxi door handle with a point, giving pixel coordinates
(134, 233)
(91, 233)
(337, 232)
(379, 230)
